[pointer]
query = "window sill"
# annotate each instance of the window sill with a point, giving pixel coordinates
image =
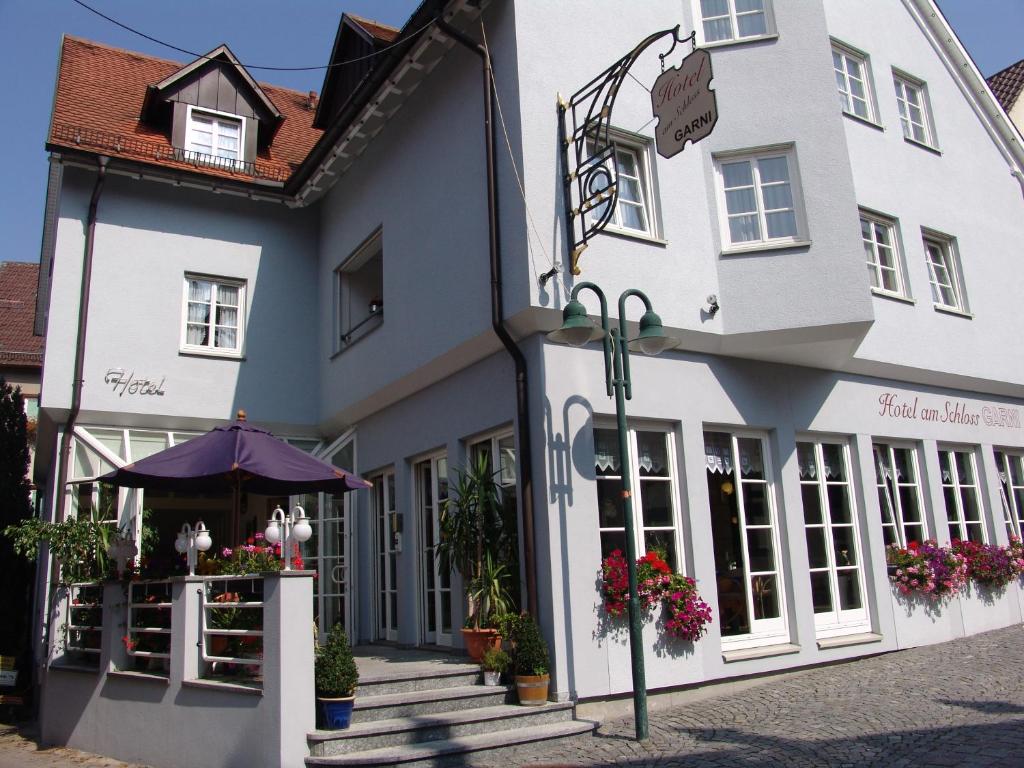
(739, 40)
(68, 666)
(226, 687)
(892, 296)
(953, 311)
(630, 234)
(841, 641)
(211, 354)
(922, 145)
(864, 121)
(763, 652)
(346, 346)
(139, 676)
(765, 246)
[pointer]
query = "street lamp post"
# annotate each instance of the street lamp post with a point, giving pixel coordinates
(191, 541)
(286, 527)
(576, 331)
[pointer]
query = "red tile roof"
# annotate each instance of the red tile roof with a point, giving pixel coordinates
(382, 32)
(1008, 84)
(17, 312)
(99, 98)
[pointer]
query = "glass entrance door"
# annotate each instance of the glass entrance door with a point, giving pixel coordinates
(386, 545)
(436, 587)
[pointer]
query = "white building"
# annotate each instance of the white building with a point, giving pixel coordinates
(346, 257)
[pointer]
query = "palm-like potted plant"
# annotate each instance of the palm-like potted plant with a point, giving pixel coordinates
(336, 676)
(470, 542)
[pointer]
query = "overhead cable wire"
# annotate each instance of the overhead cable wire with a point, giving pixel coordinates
(251, 66)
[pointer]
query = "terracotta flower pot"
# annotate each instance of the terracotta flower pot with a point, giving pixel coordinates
(533, 689)
(477, 641)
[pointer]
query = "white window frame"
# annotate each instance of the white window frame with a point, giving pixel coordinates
(763, 632)
(955, 487)
(1011, 494)
(387, 547)
(873, 263)
(945, 246)
(349, 328)
(837, 621)
(639, 147)
(753, 156)
(890, 503)
(210, 349)
(732, 15)
(639, 524)
(904, 84)
(844, 77)
(218, 118)
(438, 463)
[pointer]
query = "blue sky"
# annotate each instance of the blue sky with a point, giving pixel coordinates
(272, 32)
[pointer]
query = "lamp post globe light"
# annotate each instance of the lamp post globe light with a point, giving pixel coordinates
(577, 330)
(191, 541)
(286, 527)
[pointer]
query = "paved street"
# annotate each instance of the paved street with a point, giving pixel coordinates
(955, 704)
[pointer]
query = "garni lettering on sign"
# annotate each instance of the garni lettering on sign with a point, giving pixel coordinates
(684, 104)
(951, 412)
(126, 382)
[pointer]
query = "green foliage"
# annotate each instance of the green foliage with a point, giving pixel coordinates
(489, 593)
(471, 526)
(529, 649)
(80, 545)
(495, 660)
(335, 673)
(14, 456)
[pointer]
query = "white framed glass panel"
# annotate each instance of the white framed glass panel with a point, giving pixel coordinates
(633, 212)
(760, 197)
(653, 482)
(214, 311)
(913, 108)
(852, 81)
(214, 139)
(387, 546)
(831, 525)
(899, 494)
(959, 475)
(748, 565)
(435, 583)
(882, 255)
(1010, 467)
(943, 275)
(724, 20)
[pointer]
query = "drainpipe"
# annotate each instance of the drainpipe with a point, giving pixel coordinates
(64, 456)
(498, 315)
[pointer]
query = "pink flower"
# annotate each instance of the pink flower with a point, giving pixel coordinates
(226, 552)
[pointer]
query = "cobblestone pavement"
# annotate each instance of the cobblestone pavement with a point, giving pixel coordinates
(956, 704)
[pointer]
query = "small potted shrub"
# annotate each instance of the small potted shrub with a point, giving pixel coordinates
(530, 663)
(494, 662)
(336, 677)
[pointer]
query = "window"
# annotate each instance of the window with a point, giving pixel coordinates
(503, 469)
(748, 566)
(852, 79)
(912, 99)
(735, 19)
(633, 212)
(436, 584)
(387, 535)
(214, 138)
(833, 543)
(760, 199)
(214, 315)
(360, 292)
(885, 267)
(652, 476)
(960, 489)
(899, 494)
(944, 273)
(1011, 490)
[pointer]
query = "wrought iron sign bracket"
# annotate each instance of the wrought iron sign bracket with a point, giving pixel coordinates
(589, 164)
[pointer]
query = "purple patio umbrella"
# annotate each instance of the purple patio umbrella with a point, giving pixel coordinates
(237, 458)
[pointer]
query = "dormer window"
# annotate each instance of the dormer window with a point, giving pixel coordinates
(214, 138)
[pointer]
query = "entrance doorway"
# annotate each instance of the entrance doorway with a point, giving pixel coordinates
(387, 545)
(435, 585)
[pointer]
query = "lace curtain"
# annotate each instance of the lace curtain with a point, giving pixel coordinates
(719, 457)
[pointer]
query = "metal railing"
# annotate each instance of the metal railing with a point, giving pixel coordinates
(148, 635)
(232, 627)
(84, 626)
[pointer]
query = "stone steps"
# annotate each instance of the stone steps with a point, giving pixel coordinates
(500, 745)
(430, 701)
(458, 675)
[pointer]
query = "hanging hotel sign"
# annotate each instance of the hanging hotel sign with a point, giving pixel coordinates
(686, 109)
(684, 104)
(123, 382)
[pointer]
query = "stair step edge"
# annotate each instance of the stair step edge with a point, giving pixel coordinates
(454, 671)
(428, 695)
(474, 743)
(457, 717)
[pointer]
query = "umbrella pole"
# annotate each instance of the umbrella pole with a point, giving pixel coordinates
(236, 512)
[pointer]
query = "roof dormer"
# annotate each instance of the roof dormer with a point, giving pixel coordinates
(214, 111)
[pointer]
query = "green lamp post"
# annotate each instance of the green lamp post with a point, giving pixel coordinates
(576, 331)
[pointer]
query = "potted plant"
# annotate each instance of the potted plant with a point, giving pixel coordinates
(494, 662)
(530, 663)
(470, 542)
(336, 676)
